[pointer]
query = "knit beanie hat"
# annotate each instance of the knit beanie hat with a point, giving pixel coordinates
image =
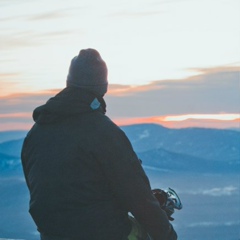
(88, 71)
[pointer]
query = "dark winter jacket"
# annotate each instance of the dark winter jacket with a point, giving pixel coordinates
(83, 174)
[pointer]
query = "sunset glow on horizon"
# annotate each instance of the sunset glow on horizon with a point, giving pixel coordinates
(220, 121)
(221, 117)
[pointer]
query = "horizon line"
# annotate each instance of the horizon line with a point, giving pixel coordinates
(174, 122)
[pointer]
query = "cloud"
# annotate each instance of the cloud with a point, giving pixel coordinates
(24, 102)
(41, 25)
(31, 38)
(205, 123)
(135, 14)
(222, 117)
(8, 75)
(32, 11)
(47, 16)
(17, 40)
(129, 90)
(214, 224)
(16, 109)
(8, 82)
(212, 91)
(217, 191)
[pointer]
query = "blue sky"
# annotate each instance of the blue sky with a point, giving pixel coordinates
(153, 48)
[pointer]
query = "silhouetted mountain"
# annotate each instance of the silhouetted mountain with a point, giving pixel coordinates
(212, 144)
(10, 165)
(235, 129)
(170, 161)
(197, 149)
(12, 135)
(12, 148)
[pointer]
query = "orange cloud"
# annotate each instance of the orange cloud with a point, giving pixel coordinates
(214, 70)
(16, 121)
(10, 126)
(206, 100)
(31, 95)
(220, 117)
(127, 90)
(15, 115)
(23, 120)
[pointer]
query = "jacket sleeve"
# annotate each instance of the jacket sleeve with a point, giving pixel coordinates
(130, 184)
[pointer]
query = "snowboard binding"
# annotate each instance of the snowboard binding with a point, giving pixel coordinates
(169, 200)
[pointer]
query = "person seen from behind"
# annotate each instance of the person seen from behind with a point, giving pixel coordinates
(80, 168)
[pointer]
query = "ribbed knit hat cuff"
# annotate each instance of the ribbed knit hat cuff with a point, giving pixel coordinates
(99, 89)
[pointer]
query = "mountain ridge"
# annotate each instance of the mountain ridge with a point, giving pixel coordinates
(11, 135)
(178, 149)
(205, 143)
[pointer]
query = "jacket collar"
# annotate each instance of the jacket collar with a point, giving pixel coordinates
(70, 101)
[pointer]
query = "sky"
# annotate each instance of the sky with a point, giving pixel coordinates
(172, 62)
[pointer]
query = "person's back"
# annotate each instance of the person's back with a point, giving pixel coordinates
(81, 170)
(69, 191)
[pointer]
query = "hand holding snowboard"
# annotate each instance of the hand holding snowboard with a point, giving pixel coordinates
(168, 200)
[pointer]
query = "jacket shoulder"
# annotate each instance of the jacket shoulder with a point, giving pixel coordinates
(109, 129)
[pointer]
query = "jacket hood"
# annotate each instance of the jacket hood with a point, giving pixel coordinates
(69, 102)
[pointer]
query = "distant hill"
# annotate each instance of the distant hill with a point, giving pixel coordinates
(212, 144)
(12, 135)
(196, 149)
(12, 148)
(9, 163)
(235, 129)
(176, 162)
